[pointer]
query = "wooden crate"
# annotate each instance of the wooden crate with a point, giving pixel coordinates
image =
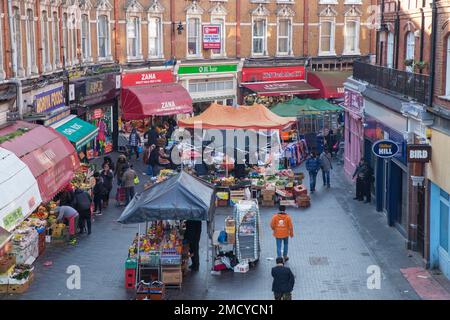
(172, 277)
(288, 203)
(20, 288)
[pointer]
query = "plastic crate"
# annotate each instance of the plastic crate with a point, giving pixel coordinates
(131, 264)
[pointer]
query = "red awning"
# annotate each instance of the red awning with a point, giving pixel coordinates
(330, 83)
(158, 100)
(50, 156)
(279, 88)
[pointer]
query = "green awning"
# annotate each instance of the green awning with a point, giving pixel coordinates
(296, 106)
(77, 131)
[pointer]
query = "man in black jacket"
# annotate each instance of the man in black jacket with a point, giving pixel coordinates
(193, 235)
(283, 281)
(82, 203)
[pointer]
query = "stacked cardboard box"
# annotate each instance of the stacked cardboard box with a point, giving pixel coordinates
(268, 196)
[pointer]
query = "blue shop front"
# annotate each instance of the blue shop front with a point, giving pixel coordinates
(390, 189)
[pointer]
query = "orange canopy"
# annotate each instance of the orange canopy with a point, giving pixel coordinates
(241, 117)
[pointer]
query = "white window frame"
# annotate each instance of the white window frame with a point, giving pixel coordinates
(289, 36)
(390, 50)
(263, 37)
(45, 38)
(86, 53)
(357, 22)
(73, 39)
(410, 49)
(18, 39)
(56, 45)
(138, 37)
(30, 30)
(107, 56)
(222, 22)
(160, 37)
(332, 51)
(65, 38)
(199, 54)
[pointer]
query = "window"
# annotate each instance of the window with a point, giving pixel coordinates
(18, 39)
(259, 37)
(155, 37)
(447, 74)
(410, 48)
(65, 38)
(193, 37)
(103, 37)
(390, 50)
(219, 52)
(133, 37)
(351, 36)
(74, 40)
(444, 224)
(284, 37)
(85, 32)
(45, 39)
(327, 37)
(2, 71)
(31, 47)
(56, 46)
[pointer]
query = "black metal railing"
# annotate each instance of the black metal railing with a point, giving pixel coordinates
(412, 85)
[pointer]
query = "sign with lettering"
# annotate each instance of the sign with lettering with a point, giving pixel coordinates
(96, 89)
(199, 69)
(353, 101)
(12, 218)
(273, 74)
(211, 37)
(147, 78)
(418, 153)
(49, 100)
(385, 148)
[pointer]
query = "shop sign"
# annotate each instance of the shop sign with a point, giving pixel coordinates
(418, 153)
(273, 74)
(11, 219)
(94, 90)
(353, 100)
(199, 69)
(147, 78)
(385, 148)
(57, 118)
(211, 37)
(49, 100)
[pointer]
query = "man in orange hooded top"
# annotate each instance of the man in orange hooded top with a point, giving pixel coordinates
(282, 229)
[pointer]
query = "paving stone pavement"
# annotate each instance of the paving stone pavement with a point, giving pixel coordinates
(335, 241)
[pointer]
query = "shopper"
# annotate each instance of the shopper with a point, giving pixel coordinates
(153, 160)
(66, 196)
(147, 158)
(283, 281)
(82, 203)
(108, 176)
(326, 165)
(368, 179)
(108, 160)
(121, 162)
(359, 173)
(312, 166)
(128, 182)
(134, 141)
(151, 136)
(192, 235)
(67, 214)
(282, 227)
(99, 192)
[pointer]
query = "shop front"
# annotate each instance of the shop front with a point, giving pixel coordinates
(330, 83)
(209, 83)
(78, 132)
(354, 129)
(438, 175)
(95, 100)
(270, 85)
(391, 174)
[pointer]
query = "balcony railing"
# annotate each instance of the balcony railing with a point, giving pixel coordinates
(412, 85)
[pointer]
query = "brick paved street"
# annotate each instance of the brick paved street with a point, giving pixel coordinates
(336, 239)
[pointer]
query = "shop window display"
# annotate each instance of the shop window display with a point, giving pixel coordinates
(102, 144)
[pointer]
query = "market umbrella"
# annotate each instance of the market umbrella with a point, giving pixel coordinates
(181, 197)
(322, 105)
(293, 107)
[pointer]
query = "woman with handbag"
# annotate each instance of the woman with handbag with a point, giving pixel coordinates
(129, 180)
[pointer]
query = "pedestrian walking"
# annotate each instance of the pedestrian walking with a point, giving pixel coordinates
(99, 192)
(192, 235)
(108, 160)
(152, 136)
(121, 162)
(108, 176)
(359, 173)
(368, 179)
(283, 281)
(129, 180)
(312, 166)
(82, 203)
(326, 166)
(282, 227)
(134, 142)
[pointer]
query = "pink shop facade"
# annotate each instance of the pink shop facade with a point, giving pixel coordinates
(354, 129)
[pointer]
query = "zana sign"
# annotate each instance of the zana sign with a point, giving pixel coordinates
(385, 148)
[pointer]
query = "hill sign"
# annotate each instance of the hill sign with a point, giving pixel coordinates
(385, 148)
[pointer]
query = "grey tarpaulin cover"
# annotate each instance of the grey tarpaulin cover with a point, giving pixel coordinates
(181, 197)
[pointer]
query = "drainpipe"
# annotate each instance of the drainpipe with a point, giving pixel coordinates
(433, 52)
(172, 32)
(15, 80)
(397, 35)
(305, 27)
(116, 30)
(422, 35)
(238, 29)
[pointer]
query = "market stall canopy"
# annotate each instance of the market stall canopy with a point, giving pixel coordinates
(78, 132)
(166, 99)
(181, 197)
(330, 83)
(48, 154)
(19, 191)
(256, 117)
(281, 88)
(295, 107)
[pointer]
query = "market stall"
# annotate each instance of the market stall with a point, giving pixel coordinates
(159, 252)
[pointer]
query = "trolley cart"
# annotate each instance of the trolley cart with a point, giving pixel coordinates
(247, 217)
(120, 197)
